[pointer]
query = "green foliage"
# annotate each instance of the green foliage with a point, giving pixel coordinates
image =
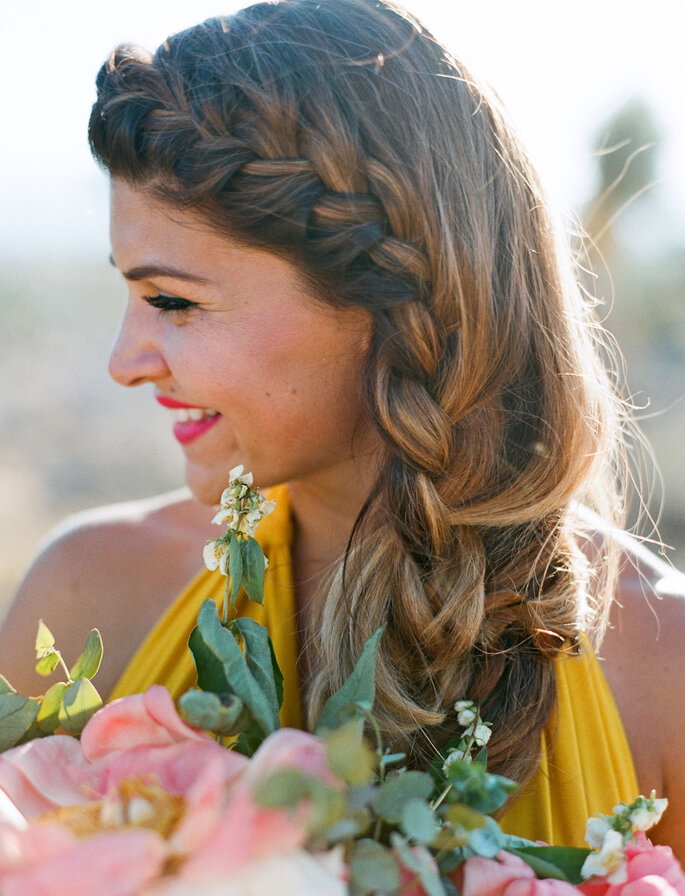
(222, 714)
(17, 715)
(373, 869)
(238, 661)
(48, 715)
(252, 569)
(79, 702)
(235, 565)
(471, 784)
(560, 862)
(67, 703)
(398, 790)
(287, 788)
(88, 663)
(349, 757)
(355, 698)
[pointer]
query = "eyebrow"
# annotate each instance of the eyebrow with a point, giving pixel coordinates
(146, 271)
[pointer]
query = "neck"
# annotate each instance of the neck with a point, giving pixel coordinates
(324, 510)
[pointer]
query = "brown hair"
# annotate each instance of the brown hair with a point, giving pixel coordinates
(341, 134)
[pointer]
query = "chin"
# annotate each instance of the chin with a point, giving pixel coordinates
(206, 486)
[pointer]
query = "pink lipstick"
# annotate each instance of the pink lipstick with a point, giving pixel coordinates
(191, 421)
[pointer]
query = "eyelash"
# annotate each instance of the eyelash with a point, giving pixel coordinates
(169, 304)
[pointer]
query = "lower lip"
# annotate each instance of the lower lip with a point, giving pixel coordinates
(188, 432)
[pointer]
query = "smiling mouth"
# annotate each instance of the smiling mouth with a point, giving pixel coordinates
(192, 415)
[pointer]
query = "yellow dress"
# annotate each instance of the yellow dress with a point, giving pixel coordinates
(587, 770)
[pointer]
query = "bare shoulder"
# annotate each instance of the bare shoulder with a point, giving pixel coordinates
(115, 568)
(644, 662)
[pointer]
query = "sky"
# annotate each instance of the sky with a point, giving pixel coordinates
(561, 68)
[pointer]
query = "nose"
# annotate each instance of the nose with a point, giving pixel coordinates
(137, 357)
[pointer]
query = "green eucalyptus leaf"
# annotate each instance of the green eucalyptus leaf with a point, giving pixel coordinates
(235, 567)
(6, 687)
(224, 715)
(350, 758)
(223, 668)
(287, 788)
(395, 792)
(560, 862)
(47, 663)
(373, 869)
(487, 840)
(89, 662)
(418, 821)
(253, 569)
(355, 698)
(45, 640)
(463, 817)
(79, 703)
(261, 659)
(17, 714)
(47, 719)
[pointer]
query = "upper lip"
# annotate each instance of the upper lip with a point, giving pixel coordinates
(167, 402)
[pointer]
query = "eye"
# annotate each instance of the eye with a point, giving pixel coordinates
(169, 304)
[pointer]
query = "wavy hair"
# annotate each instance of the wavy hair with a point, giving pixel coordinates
(340, 134)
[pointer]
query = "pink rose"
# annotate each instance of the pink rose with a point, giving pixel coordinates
(650, 871)
(508, 875)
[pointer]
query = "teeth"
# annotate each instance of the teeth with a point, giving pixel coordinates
(186, 415)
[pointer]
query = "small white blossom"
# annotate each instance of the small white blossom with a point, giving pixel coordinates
(645, 816)
(453, 756)
(481, 734)
(466, 716)
(237, 475)
(215, 554)
(461, 705)
(228, 517)
(608, 861)
(596, 828)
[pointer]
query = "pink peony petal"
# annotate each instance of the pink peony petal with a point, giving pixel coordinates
(119, 863)
(24, 849)
(487, 877)
(290, 748)
(175, 766)
(535, 887)
(43, 774)
(245, 833)
(142, 720)
(650, 885)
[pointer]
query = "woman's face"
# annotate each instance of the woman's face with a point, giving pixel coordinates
(253, 368)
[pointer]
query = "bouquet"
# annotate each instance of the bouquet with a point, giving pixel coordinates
(213, 797)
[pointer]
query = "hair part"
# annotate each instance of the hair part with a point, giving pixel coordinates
(340, 134)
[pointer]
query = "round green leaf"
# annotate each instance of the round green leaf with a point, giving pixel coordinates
(44, 639)
(419, 822)
(48, 714)
(79, 703)
(373, 869)
(89, 662)
(398, 790)
(47, 663)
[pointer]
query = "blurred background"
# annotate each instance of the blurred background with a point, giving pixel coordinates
(597, 92)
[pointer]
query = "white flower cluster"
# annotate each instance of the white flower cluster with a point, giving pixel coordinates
(242, 507)
(608, 835)
(242, 510)
(476, 733)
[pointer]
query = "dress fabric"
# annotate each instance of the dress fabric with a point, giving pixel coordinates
(585, 766)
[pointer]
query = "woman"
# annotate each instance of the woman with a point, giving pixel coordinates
(341, 274)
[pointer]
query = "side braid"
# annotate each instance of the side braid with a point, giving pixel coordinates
(339, 134)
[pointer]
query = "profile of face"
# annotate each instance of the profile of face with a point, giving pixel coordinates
(253, 368)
